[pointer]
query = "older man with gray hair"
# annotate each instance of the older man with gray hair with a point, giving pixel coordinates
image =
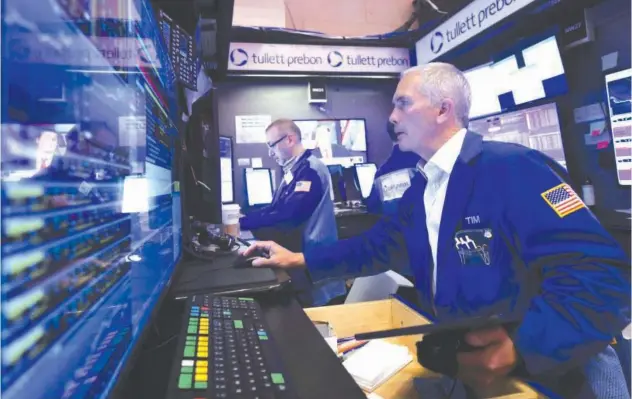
(492, 228)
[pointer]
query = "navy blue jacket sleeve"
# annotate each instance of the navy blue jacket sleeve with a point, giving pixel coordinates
(584, 277)
(380, 249)
(304, 193)
(372, 202)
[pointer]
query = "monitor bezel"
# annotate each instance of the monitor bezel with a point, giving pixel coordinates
(248, 205)
(609, 120)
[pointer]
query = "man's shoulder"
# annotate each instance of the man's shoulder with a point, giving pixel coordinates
(317, 165)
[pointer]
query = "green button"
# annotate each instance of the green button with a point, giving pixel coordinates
(246, 299)
(194, 320)
(192, 330)
(263, 337)
(191, 339)
(189, 351)
(185, 381)
(201, 385)
(277, 378)
(186, 370)
(238, 324)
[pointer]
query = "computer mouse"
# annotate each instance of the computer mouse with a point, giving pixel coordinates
(246, 261)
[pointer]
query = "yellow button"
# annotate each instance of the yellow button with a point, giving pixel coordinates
(202, 363)
(203, 332)
(201, 370)
(203, 348)
(201, 377)
(202, 354)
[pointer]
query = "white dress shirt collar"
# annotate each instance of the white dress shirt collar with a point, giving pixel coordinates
(444, 159)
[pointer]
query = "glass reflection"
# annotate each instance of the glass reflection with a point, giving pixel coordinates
(90, 213)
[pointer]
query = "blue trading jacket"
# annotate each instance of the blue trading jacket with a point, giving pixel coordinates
(398, 160)
(302, 209)
(513, 239)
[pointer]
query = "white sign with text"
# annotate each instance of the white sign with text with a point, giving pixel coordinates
(464, 25)
(307, 58)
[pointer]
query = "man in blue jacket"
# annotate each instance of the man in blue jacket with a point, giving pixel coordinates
(392, 179)
(302, 211)
(492, 228)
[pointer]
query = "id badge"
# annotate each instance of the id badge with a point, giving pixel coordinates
(393, 185)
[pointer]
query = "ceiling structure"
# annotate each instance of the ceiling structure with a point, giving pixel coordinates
(340, 18)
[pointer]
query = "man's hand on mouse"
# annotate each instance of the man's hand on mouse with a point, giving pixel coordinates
(495, 359)
(279, 256)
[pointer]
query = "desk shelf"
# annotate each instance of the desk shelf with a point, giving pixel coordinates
(351, 319)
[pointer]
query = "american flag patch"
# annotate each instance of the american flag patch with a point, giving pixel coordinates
(303, 186)
(563, 200)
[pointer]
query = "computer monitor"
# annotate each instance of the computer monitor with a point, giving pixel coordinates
(352, 189)
(618, 87)
(335, 141)
(337, 183)
(226, 167)
(82, 271)
(258, 186)
(203, 175)
(365, 174)
(536, 127)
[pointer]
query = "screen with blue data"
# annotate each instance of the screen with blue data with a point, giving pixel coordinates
(90, 211)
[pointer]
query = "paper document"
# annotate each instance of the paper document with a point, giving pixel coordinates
(376, 362)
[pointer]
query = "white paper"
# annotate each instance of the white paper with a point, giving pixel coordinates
(251, 128)
(243, 161)
(374, 288)
(257, 163)
(609, 61)
(588, 113)
(376, 362)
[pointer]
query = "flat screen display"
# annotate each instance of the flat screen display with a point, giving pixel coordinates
(259, 186)
(335, 141)
(618, 87)
(365, 173)
(91, 223)
(226, 166)
(536, 127)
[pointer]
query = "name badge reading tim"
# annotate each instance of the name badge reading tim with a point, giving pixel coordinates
(473, 246)
(393, 185)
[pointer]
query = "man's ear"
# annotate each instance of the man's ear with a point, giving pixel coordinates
(446, 109)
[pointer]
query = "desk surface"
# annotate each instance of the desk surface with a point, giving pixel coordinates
(312, 367)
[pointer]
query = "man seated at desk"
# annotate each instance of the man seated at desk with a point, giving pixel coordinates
(491, 228)
(392, 179)
(302, 211)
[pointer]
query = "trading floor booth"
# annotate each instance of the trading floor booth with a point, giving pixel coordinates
(123, 166)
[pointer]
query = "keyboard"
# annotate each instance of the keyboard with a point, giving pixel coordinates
(225, 352)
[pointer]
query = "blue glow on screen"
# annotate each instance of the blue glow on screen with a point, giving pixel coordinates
(90, 212)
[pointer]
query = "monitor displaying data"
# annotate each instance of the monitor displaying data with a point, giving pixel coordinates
(335, 141)
(365, 173)
(537, 128)
(181, 50)
(226, 167)
(533, 73)
(258, 186)
(90, 210)
(618, 88)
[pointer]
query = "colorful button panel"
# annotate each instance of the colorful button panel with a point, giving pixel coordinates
(194, 366)
(193, 374)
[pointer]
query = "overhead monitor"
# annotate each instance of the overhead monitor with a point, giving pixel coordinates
(484, 98)
(534, 72)
(335, 141)
(226, 166)
(90, 226)
(618, 88)
(536, 127)
(258, 186)
(365, 173)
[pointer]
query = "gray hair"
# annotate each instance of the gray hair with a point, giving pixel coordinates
(441, 81)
